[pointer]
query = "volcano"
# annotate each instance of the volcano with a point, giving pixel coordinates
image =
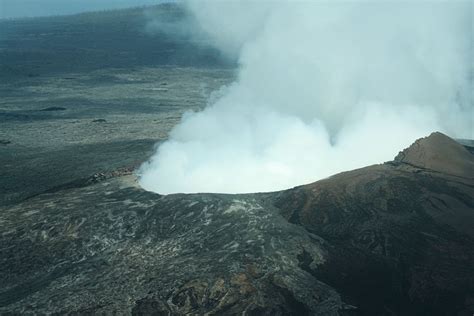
(81, 109)
(394, 238)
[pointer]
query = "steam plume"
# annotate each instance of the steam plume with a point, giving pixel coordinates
(323, 87)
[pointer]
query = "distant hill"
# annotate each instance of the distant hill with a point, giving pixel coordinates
(109, 39)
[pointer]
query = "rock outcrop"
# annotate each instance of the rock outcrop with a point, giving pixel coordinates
(439, 153)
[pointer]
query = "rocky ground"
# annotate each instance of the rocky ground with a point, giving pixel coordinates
(79, 236)
(391, 239)
(57, 129)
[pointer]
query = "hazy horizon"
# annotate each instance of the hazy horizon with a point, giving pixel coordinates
(11, 9)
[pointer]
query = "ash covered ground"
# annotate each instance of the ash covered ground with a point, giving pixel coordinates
(79, 236)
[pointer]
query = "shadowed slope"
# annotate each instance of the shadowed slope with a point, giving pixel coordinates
(401, 233)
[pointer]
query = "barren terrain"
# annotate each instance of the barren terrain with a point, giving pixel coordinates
(78, 236)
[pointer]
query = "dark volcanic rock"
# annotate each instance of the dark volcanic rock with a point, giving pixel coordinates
(53, 108)
(4, 142)
(99, 121)
(392, 239)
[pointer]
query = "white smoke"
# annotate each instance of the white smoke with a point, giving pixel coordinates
(323, 87)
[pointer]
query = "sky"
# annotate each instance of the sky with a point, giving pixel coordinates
(33, 8)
